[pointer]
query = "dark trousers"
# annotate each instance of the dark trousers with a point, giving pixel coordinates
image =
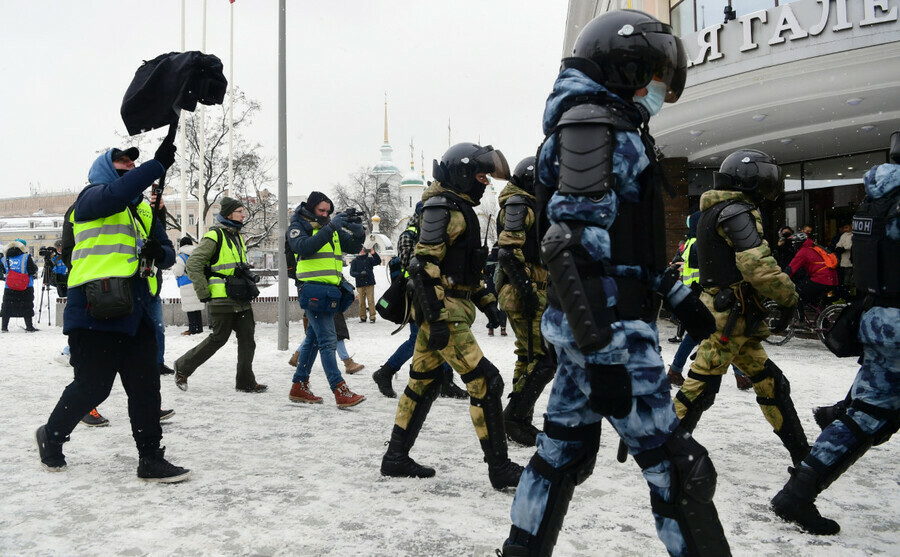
(97, 356)
(244, 326)
(195, 322)
(28, 322)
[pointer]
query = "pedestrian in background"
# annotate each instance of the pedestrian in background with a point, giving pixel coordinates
(190, 303)
(362, 269)
(18, 293)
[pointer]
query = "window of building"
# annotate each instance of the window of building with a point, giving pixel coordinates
(190, 219)
(31, 224)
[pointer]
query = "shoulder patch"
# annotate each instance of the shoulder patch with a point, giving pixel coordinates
(295, 232)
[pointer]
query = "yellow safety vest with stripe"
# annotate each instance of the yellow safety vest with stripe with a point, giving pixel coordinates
(107, 247)
(226, 263)
(689, 275)
(323, 266)
(415, 230)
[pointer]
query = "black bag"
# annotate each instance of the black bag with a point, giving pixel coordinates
(109, 298)
(240, 287)
(843, 339)
(394, 303)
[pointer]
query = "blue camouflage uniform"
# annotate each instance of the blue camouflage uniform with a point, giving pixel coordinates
(652, 420)
(876, 389)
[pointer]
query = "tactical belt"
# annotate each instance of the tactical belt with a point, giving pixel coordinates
(464, 294)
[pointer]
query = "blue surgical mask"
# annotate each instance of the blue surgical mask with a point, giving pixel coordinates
(655, 97)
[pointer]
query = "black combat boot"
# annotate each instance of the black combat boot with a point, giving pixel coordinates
(50, 451)
(796, 502)
(153, 467)
(383, 377)
(449, 389)
(396, 461)
(517, 421)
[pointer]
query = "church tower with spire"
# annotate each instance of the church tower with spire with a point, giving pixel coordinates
(385, 171)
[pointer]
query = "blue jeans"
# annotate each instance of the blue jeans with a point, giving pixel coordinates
(159, 327)
(684, 350)
(405, 351)
(321, 340)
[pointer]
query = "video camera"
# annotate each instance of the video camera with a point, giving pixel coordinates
(47, 252)
(353, 215)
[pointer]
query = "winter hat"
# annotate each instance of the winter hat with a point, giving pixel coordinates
(132, 153)
(317, 197)
(21, 241)
(228, 206)
(186, 241)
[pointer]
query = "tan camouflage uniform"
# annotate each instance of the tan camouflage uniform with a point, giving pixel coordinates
(744, 348)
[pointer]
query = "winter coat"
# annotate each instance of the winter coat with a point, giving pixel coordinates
(196, 266)
(810, 261)
(18, 303)
(340, 326)
(363, 269)
(189, 300)
(108, 194)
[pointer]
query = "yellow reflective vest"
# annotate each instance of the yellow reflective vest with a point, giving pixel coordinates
(107, 247)
(689, 275)
(323, 266)
(227, 261)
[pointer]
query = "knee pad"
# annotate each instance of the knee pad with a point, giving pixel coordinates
(582, 464)
(702, 403)
(434, 387)
(491, 375)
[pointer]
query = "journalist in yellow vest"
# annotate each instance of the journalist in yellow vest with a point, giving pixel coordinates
(113, 231)
(221, 251)
(318, 240)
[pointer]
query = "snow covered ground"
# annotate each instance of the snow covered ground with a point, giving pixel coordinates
(276, 478)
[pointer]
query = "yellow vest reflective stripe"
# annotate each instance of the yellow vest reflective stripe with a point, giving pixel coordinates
(689, 275)
(107, 247)
(323, 266)
(227, 262)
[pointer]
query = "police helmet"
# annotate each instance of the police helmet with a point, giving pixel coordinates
(752, 172)
(461, 162)
(624, 49)
(523, 175)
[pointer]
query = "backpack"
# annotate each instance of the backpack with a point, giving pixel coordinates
(829, 259)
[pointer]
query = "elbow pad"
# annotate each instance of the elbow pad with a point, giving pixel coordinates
(590, 325)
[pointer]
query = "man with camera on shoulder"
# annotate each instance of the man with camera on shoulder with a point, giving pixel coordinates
(221, 276)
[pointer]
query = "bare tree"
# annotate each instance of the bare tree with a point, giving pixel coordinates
(364, 192)
(260, 205)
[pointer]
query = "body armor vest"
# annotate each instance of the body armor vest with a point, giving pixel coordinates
(716, 258)
(876, 266)
(464, 261)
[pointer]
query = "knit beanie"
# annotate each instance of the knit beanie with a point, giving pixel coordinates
(228, 206)
(186, 241)
(317, 197)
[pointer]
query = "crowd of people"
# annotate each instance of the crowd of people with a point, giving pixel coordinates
(579, 273)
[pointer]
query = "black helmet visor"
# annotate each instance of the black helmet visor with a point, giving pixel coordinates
(491, 161)
(769, 180)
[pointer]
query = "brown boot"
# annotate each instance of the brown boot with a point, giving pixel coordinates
(346, 398)
(743, 382)
(300, 393)
(294, 359)
(352, 367)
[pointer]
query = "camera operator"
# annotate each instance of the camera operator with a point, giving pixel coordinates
(220, 255)
(56, 272)
(18, 293)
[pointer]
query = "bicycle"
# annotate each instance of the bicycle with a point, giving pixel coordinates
(807, 318)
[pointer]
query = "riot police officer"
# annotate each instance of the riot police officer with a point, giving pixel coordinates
(446, 275)
(600, 183)
(873, 413)
(521, 284)
(738, 274)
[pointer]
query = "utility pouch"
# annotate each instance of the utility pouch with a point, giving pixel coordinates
(842, 339)
(724, 300)
(109, 298)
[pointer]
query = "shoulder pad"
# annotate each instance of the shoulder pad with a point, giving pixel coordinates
(739, 224)
(435, 218)
(516, 213)
(585, 155)
(596, 114)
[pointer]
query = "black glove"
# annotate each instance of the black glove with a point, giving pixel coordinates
(339, 221)
(440, 335)
(206, 299)
(493, 315)
(696, 318)
(165, 153)
(153, 250)
(610, 390)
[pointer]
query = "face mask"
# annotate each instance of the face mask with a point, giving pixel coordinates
(655, 97)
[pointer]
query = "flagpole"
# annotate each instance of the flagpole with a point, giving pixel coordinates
(183, 152)
(282, 178)
(230, 190)
(201, 223)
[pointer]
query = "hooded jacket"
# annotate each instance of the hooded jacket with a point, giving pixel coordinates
(810, 261)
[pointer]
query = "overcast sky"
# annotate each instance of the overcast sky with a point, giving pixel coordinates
(486, 65)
